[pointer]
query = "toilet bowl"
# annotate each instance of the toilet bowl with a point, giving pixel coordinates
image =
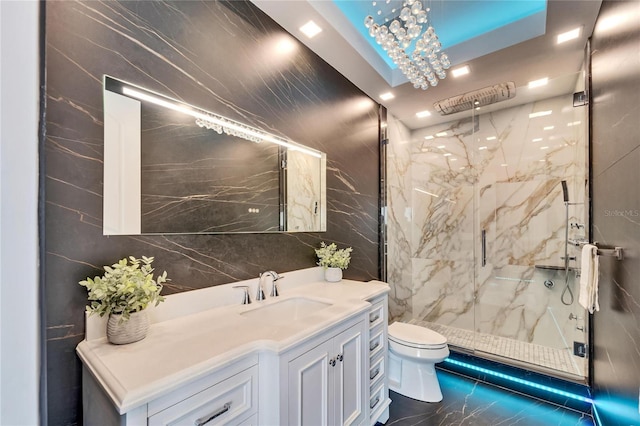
(413, 353)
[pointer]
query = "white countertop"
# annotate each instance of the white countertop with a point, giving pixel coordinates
(188, 346)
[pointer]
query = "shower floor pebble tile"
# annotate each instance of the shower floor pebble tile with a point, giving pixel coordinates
(556, 359)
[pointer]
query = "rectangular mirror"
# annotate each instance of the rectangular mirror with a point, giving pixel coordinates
(171, 167)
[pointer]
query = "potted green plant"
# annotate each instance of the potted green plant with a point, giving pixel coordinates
(334, 260)
(123, 292)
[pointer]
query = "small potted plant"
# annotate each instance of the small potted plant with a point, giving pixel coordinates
(334, 260)
(123, 292)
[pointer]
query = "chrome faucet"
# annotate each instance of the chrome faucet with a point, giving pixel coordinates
(276, 277)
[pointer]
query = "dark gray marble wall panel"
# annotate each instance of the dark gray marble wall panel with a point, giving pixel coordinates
(223, 58)
(616, 209)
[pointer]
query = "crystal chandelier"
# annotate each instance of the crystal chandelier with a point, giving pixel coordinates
(422, 66)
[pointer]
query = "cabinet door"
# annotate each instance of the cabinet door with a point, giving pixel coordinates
(309, 387)
(349, 378)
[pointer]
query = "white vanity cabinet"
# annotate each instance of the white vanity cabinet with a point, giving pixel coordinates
(324, 381)
(315, 355)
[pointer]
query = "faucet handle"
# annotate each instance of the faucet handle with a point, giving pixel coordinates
(274, 290)
(245, 298)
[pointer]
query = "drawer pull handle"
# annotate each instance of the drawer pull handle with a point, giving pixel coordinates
(374, 346)
(374, 374)
(332, 362)
(340, 357)
(374, 403)
(206, 419)
(374, 318)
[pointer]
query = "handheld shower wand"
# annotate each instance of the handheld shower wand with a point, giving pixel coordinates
(565, 196)
(565, 191)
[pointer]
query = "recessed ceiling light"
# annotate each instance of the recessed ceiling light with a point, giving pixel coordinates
(544, 147)
(569, 35)
(548, 127)
(540, 114)
(428, 137)
(575, 123)
(460, 71)
(441, 134)
(447, 154)
(423, 114)
(310, 29)
(491, 138)
(387, 96)
(536, 140)
(453, 159)
(538, 83)
(441, 146)
(504, 164)
(482, 148)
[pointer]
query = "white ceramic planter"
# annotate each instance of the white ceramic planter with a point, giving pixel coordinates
(333, 275)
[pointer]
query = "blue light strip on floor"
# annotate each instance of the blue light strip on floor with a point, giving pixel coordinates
(520, 381)
(596, 416)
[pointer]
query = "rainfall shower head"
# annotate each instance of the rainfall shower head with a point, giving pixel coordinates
(476, 98)
(565, 191)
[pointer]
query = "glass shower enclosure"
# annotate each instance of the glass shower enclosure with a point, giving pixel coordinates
(485, 216)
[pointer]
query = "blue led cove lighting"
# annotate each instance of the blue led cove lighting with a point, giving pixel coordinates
(596, 415)
(520, 381)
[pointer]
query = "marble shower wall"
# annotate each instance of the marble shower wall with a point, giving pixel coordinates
(398, 214)
(499, 172)
(226, 57)
(615, 97)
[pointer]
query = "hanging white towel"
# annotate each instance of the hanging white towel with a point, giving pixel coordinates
(589, 278)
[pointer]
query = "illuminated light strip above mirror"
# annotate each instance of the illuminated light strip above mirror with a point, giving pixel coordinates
(219, 123)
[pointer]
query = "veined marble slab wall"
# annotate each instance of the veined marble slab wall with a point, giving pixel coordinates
(499, 172)
(228, 58)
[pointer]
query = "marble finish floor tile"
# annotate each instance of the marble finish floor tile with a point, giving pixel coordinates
(543, 356)
(467, 402)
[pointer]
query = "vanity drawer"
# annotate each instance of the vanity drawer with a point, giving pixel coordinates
(376, 314)
(376, 344)
(377, 371)
(377, 399)
(228, 402)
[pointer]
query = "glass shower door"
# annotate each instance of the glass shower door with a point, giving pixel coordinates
(526, 302)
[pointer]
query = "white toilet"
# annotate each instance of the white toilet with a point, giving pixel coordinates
(413, 353)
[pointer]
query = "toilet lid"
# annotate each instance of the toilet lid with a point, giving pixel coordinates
(414, 335)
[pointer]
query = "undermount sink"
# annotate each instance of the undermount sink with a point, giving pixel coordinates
(287, 309)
